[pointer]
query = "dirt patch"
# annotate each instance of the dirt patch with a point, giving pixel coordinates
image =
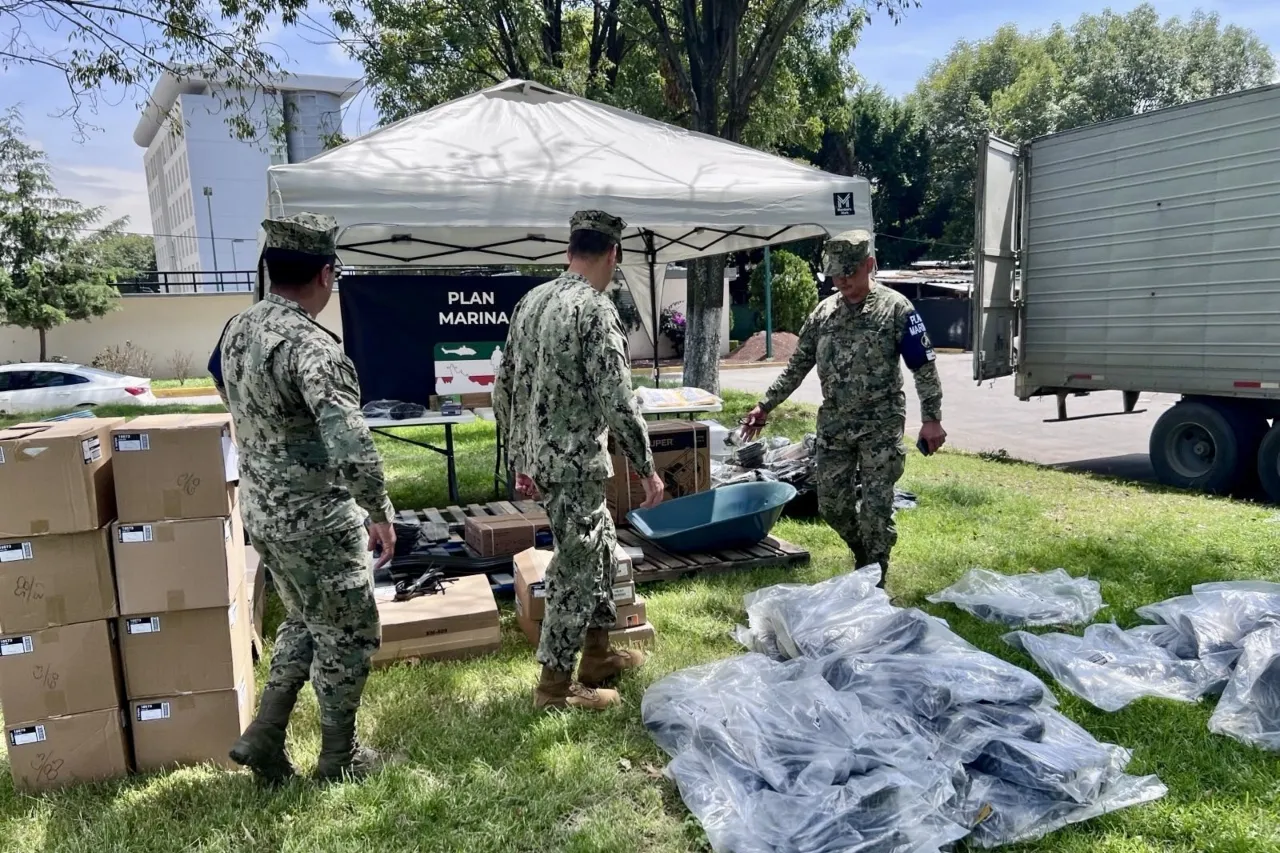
(784, 344)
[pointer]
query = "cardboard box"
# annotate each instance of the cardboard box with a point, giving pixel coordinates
(681, 456)
(72, 669)
(256, 587)
(62, 579)
(190, 651)
(56, 477)
(174, 466)
(500, 535)
(463, 622)
(531, 587)
(191, 728)
(632, 615)
(64, 751)
(638, 635)
(167, 566)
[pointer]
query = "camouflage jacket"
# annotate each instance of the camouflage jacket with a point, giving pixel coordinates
(307, 460)
(565, 383)
(856, 349)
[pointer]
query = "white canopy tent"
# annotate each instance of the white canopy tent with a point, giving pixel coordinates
(493, 178)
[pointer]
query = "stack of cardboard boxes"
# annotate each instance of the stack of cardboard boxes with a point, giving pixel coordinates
(632, 627)
(185, 622)
(59, 668)
(681, 457)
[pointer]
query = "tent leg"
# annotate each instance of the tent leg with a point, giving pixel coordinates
(653, 305)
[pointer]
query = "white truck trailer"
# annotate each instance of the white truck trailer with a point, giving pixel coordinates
(1143, 254)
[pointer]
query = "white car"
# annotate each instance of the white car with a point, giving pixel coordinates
(41, 387)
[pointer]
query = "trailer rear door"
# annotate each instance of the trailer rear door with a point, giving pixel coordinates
(996, 243)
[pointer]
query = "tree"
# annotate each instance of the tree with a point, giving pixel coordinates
(418, 55)
(123, 45)
(718, 57)
(794, 291)
(130, 255)
(1020, 86)
(50, 272)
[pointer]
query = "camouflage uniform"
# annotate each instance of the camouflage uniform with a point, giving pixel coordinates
(856, 349)
(563, 386)
(309, 474)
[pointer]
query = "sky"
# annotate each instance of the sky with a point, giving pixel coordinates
(105, 167)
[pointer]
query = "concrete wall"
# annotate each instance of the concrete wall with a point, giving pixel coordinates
(162, 324)
(165, 324)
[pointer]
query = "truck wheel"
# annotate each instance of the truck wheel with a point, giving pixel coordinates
(1269, 463)
(1204, 446)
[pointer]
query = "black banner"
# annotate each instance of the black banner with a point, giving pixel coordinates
(412, 336)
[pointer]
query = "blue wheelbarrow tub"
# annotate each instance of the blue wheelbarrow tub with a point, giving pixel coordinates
(736, 516)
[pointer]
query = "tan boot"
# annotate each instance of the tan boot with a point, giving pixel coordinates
(558, 690)
(601, 663)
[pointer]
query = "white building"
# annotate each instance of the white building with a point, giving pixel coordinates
(208, 189)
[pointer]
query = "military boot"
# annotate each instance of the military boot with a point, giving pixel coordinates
(261, 747)
(557, 689)
(601, 663)
(884, 571)
(342, 756)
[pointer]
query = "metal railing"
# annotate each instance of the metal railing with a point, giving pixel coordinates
(239, 281)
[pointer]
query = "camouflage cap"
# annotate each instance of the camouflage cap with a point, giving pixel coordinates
(845, 251)
(303, 232)
(597, 220)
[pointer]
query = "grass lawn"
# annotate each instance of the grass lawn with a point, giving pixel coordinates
(487, 773)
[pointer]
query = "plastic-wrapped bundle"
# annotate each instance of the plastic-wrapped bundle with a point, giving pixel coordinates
(1051, 598)
(872, 728)
(1249, 709)
(393, 409)
(1109, 668)
(771, 758)
(1001, 812)
(1216, 617)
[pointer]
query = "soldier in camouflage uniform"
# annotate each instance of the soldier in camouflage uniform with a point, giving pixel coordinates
(309, 476)
(563, 386)
(856, 337)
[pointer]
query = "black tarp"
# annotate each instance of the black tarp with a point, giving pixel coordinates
(396, 328)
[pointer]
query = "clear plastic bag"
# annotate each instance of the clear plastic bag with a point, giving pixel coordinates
(1249, 709)
(872, 728)
(1215, 617)
(1109, 668)
(1031, 600)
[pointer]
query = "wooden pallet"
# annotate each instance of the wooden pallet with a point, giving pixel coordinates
(662, 565)
(658, 565)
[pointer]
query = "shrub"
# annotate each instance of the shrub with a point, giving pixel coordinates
(795, 291)
(129, 359)
(627, 310)
(180, 365)
(672, 324)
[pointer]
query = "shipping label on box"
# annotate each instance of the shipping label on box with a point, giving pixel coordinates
(56, 477)
(70, 750)
(189, 564)
(56, 580)
(71, 669)
(682, 458)
(174, 466)
(187, 651)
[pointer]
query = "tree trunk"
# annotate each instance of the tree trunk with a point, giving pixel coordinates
(44, 348)
(702, 319)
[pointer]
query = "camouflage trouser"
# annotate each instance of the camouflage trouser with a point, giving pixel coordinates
(876, 459)
(331, 627)
(580, 576)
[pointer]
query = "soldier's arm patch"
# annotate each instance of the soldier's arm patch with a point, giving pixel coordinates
(915, 346)
(215, 358)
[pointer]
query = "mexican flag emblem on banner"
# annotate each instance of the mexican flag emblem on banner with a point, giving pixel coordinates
(467, 368)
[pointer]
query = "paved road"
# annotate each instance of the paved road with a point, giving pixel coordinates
(989, 417)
